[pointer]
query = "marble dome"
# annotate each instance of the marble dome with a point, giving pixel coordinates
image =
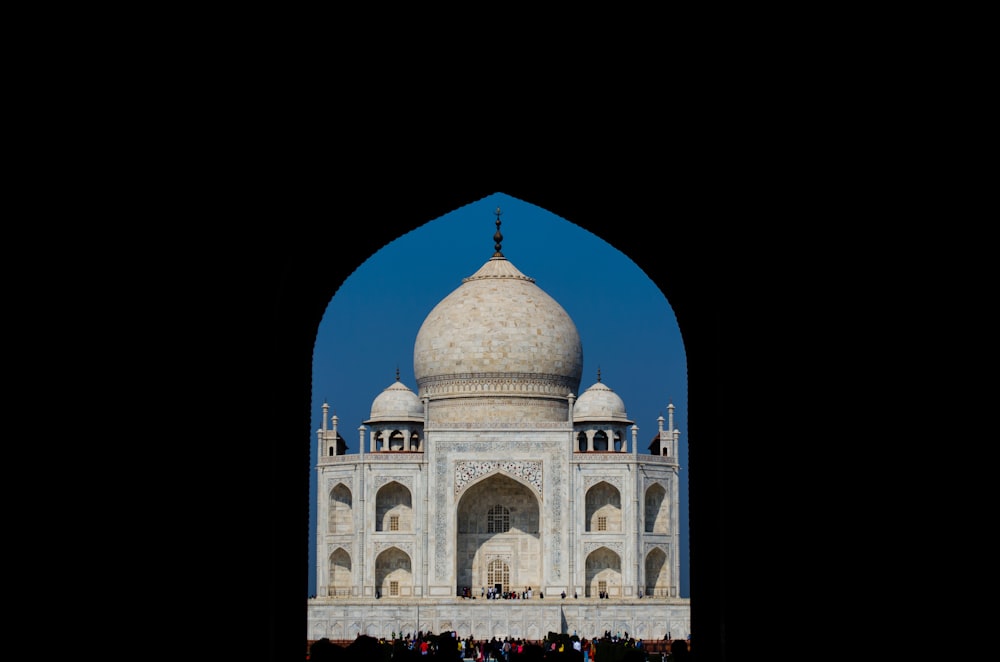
(599, 403)
(498, 333)
(397, 403)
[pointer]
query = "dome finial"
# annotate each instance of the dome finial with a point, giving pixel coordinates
(397, 373)
(598, 375)
(497, 238)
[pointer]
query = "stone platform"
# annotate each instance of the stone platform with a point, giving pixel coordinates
(641, 618)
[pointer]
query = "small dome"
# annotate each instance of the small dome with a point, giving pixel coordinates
(397, 403)
(599, 403)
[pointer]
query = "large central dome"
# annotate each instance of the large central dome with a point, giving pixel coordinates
(499, 337)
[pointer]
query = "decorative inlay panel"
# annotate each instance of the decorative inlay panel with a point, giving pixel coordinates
(492, 382)
(599, 457)
(440, 522)
(390, 457)
(494, 447)
(500, 425)
(555, 508)
(529, 471)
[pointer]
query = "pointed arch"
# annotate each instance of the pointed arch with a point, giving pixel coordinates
(494, 516)
(604, 572)
(603, 508)
(340, 511)
(657, 509)
(393, 573)
(397, 440)
(657, 573)
(340, 576)
(393, 508)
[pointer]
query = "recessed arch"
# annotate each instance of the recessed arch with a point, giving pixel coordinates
(657, 573)
(393, 573)
(603, 508)
(604, 573)
(340, 510)
(657, 509)
(340, 576)
(495, 515)
(393, 508)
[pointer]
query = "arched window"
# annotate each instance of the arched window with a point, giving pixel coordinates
(498, 520)
(581, 442)
(396, 441)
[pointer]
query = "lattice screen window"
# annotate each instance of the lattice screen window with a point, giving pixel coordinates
(498, 520)
(602, 523)
(394, 522)
(602, 588)
(393, 588)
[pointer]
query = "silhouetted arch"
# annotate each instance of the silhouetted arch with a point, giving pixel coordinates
(305, 289)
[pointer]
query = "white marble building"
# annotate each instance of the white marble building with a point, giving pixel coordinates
(494, 473)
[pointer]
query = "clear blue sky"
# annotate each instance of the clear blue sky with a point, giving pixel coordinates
(626, 325)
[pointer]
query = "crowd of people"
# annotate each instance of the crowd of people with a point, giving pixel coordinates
(493, 593)
(613, 647)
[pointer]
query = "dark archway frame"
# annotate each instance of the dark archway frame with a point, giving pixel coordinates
(301, 274)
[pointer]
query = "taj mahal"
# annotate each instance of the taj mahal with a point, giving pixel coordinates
(495, 475)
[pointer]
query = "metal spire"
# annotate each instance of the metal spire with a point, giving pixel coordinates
(497, 238)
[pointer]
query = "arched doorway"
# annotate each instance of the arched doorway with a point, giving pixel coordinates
(498, 535)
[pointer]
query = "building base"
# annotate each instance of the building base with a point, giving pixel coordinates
(641, 618)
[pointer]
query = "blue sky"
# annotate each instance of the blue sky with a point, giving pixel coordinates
(626, 325)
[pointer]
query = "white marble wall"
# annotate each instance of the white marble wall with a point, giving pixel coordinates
(483, 619)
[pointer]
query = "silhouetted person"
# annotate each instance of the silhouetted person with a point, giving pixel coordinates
(363, 648)
(323, 650)
(679, 651)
